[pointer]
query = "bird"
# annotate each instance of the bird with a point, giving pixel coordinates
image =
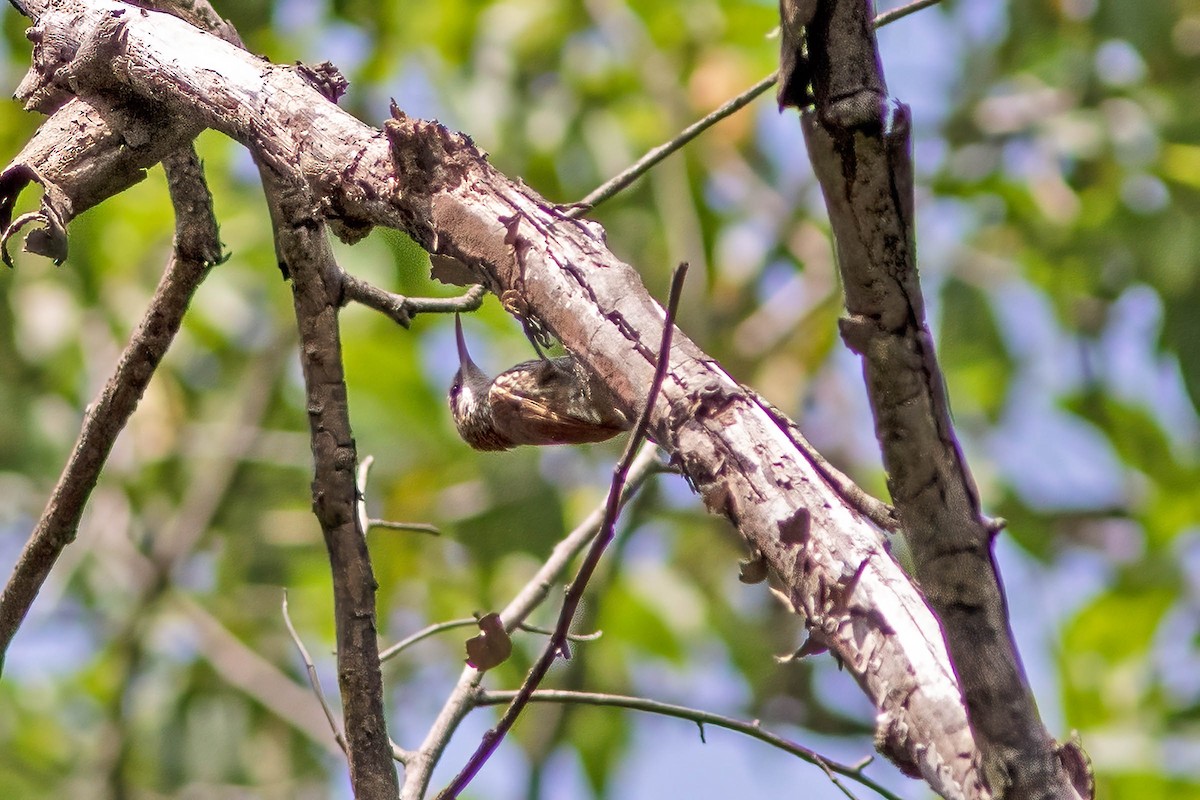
(544, 401)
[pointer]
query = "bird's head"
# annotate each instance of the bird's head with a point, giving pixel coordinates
(469, 394)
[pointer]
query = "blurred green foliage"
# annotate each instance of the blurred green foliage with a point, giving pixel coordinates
(1063, 147)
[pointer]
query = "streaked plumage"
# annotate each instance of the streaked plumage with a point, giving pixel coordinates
(538, 402)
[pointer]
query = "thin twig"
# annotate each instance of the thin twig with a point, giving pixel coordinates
(415, 527)
(398, 753)
(430, 630)
(652, 157)
(558, 643)
(467, 622)
(365, 523)
(247, 670)
(535, 591)
(644, 164)
(402, 309)
(571, 637)
(887, 17)
(700, 717)
(313, 680)
(360, 484)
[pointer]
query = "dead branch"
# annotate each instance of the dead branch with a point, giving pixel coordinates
(858, 140)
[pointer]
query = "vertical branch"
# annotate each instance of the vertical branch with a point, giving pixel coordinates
(197, 248)
(858, 140)
(316, 287)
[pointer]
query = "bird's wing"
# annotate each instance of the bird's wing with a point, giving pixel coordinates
(526, 418)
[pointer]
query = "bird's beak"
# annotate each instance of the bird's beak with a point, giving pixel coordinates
(464, 358)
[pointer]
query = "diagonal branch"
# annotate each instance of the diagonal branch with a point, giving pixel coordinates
(652, 157)
(314, 681)
(419, 769)
(557, 646)
(242, 667)
(197, 248)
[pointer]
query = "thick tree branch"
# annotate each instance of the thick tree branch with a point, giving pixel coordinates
(87, 152)
(835, 569)
(303, 245)
(858, 140)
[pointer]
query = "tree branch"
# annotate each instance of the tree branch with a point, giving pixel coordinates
(314, 681)
(627, 176)
(402, 309)
(858, 141)
(698, 716)
(197, 249)
(466, 622)
(248, 671)
(304, 248)
(419, 769)
(557, 646)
